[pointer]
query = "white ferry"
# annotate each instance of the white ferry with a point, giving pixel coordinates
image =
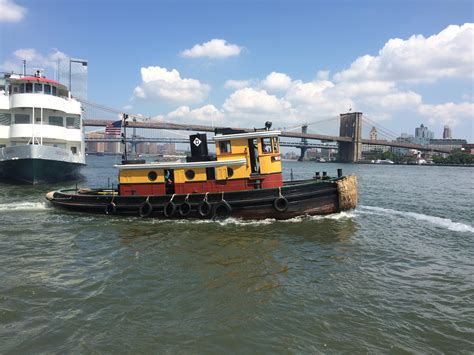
(41, 135)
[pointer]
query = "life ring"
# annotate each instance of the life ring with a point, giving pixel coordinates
(111, 208)
(185, 209)
(145, 209)
(280, 204)
(170, 209)
(222, 210)
(204, 209)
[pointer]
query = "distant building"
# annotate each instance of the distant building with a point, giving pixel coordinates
(468, 148)
(447, 134)
(95, 147)
(447, 143)
(423, 135)
(373, 134)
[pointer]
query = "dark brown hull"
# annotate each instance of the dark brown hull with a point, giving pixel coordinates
(309, 197)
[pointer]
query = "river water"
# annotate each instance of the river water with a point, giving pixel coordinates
(395, 275)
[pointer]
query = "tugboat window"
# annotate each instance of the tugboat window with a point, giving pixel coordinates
(190, 174)
(224, 147)
(275, 144)
(230, 172)
(266, 145)
(39, 88)
(152, 176)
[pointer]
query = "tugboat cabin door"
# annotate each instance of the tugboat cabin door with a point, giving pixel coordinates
(253, 151)
(169, 181)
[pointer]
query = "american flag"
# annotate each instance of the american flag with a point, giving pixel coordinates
(114, 128)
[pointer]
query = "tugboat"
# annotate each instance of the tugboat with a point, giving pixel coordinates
(243, 180)
(41, 138)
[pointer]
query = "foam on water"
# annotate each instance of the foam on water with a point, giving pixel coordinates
(438, 221)
(24, 206)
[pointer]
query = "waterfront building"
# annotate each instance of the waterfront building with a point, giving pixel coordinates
(447, 134)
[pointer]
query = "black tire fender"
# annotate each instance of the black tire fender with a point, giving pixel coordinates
(222, 210)
(170, 209)
(145, 209)
(280, 204)
(111, 208)
(185, 209)
(205, 209)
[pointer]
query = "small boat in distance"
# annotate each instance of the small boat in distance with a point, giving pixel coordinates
(243, 180)
(41, 137)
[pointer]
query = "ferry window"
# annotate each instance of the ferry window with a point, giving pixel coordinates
(54, 90)
(56, 121)
(22, 88)
(38, 119)
(72, 122)
(5, 119)
(230, 172)
(190, 174)
(22, 119)
(74, 150)
(28, 87)
(38, 87)
(224, 147)
(15, 89)
(266, 145)
(152, 176)
(275, 144)
(47, 89)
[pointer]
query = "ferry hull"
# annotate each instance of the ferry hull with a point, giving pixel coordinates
(38, 171)
(310, 197)
(37, 164)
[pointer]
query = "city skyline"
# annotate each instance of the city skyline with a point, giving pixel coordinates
(242, 63)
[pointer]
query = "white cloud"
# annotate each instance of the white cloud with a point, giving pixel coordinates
(394, 101)
(250, 100)
(447, 54)
(276, 82)
(215, 48)
(207, 113)
(162, 84)
(11, 12)
(448, 113)
(237, 84)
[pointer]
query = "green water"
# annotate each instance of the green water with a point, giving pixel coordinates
(395, 275)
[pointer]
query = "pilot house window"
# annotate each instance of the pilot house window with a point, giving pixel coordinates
(266, 145)
(225, 147)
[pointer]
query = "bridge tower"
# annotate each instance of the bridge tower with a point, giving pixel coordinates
(350, 126)
(304, 141)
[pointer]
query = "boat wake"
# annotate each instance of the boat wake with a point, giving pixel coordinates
(438, 221)
(24, 206)
(268, 221)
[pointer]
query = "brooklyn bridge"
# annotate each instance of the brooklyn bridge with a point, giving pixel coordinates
(349, 142)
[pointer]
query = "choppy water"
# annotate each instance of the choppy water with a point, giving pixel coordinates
(395, 275)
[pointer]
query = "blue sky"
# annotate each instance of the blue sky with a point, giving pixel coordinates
(315, 50)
